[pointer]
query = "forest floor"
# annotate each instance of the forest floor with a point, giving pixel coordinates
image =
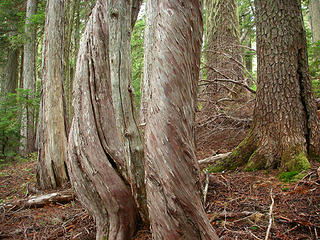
(238, 203)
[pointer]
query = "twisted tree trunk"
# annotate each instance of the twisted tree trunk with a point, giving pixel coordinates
(101, 147)
(172, 172)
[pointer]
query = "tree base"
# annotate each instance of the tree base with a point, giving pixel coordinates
(252, 154)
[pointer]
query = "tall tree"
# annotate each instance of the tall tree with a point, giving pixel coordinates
(101, 141)
(314, 8)
(223, 51)
(285, 129)
(172, 171)
(29, 78)
(10, 78)
(52, 149)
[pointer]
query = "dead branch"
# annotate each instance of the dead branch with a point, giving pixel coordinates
(40, 201)
(204, 162)
(205, 190)
(270, 216)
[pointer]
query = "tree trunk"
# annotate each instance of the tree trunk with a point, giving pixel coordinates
(51, 169)
(122, 17)
(314, 7)
(172, 172)
(285, 126)
(224, 56)
(29, 79)
(10, 79)
(97, 153)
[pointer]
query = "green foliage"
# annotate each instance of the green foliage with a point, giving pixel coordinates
(12, 106)
(137, 40)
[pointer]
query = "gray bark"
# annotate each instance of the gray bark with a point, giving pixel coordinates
(97, 153)
(314, 8)
(172, 171)
(122, 17)
(51, 168)
(29, 79)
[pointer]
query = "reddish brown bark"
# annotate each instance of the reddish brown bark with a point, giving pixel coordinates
(172, 172)
(97, 156)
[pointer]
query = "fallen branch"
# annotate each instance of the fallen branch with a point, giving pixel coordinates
(204, 162)
(40, 201)
(205, 190)
(270, 216)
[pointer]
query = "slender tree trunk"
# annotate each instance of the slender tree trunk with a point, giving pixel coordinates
(97, 142)
(122, 17)
(314, 7)
(286, 127)
(172, 172)
(51, 169)
(29, 79)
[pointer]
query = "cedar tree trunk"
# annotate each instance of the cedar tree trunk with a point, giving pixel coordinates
(285, 129)
(97, 152)
(52, 149)
(172, 171)
(314, 7)
(29, 79)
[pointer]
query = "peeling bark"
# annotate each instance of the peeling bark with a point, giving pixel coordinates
(52, 148)
(97, 153)
(172, 171)
(29, 79)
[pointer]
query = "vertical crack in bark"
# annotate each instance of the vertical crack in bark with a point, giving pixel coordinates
(303, 99)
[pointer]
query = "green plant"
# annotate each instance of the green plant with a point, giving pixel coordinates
(12, 106)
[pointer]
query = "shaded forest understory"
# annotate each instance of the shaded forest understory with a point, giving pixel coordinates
(238, 203)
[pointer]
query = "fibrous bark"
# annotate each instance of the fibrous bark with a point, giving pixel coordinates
(285, 129)
(29, 79)
(172, 172)
(98, 152)
(10, 77)
(52, 148)
(314, 7)
(122, 17)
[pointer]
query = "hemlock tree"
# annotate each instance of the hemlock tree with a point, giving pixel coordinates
(285, 129)
(29, 79)
(172, 171)
(223, 51)
(52, 149)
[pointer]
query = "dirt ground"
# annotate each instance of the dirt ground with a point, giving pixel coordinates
(237, 203)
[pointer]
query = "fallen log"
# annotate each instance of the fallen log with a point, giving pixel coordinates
(39, 201)
(210, 160)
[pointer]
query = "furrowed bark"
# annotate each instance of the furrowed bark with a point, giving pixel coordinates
(285, 127)
(97, 157)
(172, 172)
(52, 148)
(120, 17)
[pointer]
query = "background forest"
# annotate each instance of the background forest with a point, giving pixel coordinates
(62, 112)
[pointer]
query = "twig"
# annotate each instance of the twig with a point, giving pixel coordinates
(205, 190)
(270, 216)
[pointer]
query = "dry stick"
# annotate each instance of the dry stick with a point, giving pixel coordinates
(270, 216)
(205, 190)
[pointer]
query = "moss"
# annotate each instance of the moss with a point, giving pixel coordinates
(256, 162)
(295, 160)
(292, 176)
